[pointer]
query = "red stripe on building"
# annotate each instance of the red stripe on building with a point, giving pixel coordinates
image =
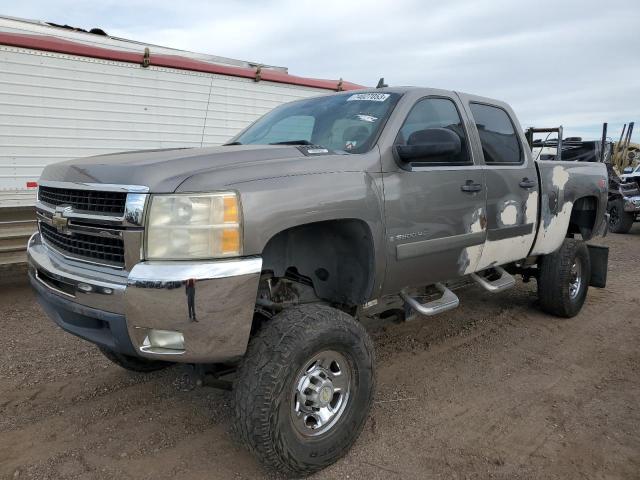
(59, 45)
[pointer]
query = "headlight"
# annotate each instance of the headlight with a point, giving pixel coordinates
(190, 226)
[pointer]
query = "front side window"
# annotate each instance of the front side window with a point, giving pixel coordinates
(500, 144)
(434, 113)
(347, 123)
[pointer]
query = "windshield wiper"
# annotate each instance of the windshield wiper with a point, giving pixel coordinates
(293, 142)
(231, 144)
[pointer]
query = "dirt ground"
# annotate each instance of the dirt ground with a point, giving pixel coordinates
(494, 389)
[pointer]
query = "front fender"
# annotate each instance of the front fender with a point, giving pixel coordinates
(271, 206)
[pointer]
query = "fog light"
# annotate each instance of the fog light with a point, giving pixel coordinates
(163, 340)
(85, 287)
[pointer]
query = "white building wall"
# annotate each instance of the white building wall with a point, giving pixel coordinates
(55, 107)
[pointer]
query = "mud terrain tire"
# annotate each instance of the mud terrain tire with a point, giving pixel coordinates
(619, 220)
(268, 386)
(563, 279)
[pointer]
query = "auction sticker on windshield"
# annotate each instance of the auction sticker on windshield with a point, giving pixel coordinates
(369, 97)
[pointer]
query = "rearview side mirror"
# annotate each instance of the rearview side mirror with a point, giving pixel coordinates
(430, 145)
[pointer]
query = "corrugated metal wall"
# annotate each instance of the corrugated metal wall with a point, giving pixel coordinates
(55, 107)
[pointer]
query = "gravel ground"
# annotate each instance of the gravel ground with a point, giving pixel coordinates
(494, 389)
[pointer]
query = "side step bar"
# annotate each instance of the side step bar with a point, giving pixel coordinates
(447, 301)
(505, 281)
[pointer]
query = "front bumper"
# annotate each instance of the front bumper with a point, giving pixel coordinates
(210, 304)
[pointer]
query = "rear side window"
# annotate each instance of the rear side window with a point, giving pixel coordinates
(500, 144)
(431, 113)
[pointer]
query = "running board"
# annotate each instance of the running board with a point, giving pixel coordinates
(505, 281)
(447, 301)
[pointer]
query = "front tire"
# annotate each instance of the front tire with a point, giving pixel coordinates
(619, 220)
(134, 364)
(563, 279)
(304, 389)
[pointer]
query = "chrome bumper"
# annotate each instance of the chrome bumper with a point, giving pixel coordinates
(209, 305)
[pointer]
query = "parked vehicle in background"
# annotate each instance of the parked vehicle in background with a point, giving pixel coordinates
(624, 201)
(624, 183)
(631, 174)
(261, 256)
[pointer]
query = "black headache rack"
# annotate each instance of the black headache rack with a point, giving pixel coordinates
(531, 131)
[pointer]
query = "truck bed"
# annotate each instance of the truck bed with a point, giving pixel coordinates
(562, 185)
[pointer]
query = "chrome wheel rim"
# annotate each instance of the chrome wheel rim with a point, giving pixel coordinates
(321, 392)
(575, 278)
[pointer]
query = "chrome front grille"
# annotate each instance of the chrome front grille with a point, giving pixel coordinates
(95, 248)
(95, 223)
(111, 203)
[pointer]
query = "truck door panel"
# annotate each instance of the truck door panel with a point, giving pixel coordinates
(434, 214)
(512, 184)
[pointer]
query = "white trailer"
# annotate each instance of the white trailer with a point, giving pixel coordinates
(66, 94)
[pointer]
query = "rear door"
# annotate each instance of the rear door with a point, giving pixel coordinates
(434, 211)
(511, 180)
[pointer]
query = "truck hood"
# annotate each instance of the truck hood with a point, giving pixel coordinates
(163, 171)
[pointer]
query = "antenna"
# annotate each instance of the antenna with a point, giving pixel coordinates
(381, 83)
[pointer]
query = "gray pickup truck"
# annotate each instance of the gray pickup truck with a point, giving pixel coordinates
(262, 256)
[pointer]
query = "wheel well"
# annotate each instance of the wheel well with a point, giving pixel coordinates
(337, 256)
(583, 217)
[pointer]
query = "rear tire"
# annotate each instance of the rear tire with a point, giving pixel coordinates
(134, 364)
(563, 279)
(619, 220)
(302, 362)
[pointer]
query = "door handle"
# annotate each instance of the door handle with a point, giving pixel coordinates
(526, 183)
(471, 187)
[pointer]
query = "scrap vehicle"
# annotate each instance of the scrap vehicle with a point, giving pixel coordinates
(624, 183)
(625, 154)
(257, 260)
(630, 173)
(630, 162)
(624, 204)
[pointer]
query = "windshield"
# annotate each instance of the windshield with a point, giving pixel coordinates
(349, 122)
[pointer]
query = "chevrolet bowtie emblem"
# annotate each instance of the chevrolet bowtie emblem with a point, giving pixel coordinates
(59, 219)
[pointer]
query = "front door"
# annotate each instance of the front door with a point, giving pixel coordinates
(434, 212)
(512, 183)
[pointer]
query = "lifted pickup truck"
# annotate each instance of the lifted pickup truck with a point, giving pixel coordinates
(263, 255)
